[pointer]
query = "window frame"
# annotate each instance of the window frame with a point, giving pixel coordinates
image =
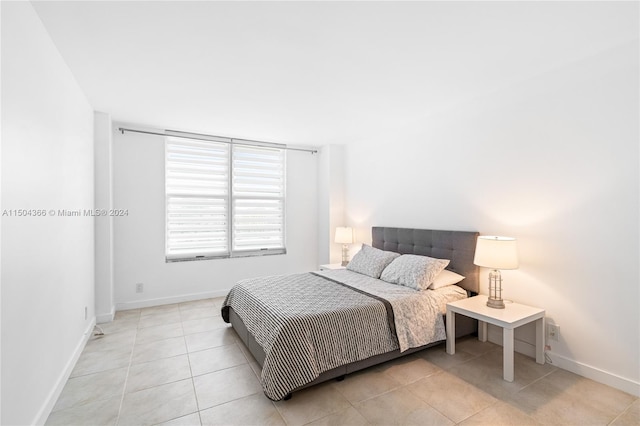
(230, 199)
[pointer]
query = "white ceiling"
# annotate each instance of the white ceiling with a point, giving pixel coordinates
(313, 73)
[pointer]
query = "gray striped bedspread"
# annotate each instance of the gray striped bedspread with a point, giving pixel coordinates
(313, 322)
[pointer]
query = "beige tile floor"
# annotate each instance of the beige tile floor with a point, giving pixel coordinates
(182, 365)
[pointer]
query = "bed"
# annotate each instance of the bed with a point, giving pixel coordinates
(307, 328)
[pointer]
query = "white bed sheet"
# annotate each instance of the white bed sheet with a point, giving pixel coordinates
(417, 314)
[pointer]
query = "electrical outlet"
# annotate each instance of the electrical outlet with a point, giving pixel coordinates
(139, 287)
(553, 332)
(86, 313)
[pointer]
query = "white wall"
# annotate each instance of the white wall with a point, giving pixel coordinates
(330, 201)
(552, 161)
(139, 255)
(103, 158)
(47, 262)
(1, 208)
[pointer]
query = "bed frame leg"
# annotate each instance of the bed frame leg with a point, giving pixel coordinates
(340, 378)
(287, 397)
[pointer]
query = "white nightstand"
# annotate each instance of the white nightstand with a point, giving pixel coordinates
(514, 315)
(331, 266)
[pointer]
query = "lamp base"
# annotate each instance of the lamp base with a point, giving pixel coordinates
(345, 255)
(495, 303)
(495, 290)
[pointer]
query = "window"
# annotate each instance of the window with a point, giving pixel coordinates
(223, 199)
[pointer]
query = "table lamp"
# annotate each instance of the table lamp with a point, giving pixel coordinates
(496, 253)
(344, 236)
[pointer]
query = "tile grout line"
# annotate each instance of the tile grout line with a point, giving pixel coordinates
(400, 386)
(126, 379)
(537, 380)
(246, 354)
(446, 370)
(183, 335)
(474, 414)
(193, 384)
(427, 402)
(499, 399)
(351, 403)
(623, 412)
(246, 357)
(235, 343)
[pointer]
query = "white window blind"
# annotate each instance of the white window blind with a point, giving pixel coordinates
(223, 199)
(258, 198)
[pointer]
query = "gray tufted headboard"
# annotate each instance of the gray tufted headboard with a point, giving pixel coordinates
(457, 246)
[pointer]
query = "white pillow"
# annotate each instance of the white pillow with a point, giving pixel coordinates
(413, 271)
(371, 261)
(445, 278)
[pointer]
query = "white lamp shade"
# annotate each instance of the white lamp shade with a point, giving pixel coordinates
(344, 235)
(496, 252)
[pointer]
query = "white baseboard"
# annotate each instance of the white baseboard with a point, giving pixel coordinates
(596, 374)
(584, 370)
(108, 317)
(123, 306)
(53, 396)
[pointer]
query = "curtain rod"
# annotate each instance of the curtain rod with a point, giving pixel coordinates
(195, 136)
